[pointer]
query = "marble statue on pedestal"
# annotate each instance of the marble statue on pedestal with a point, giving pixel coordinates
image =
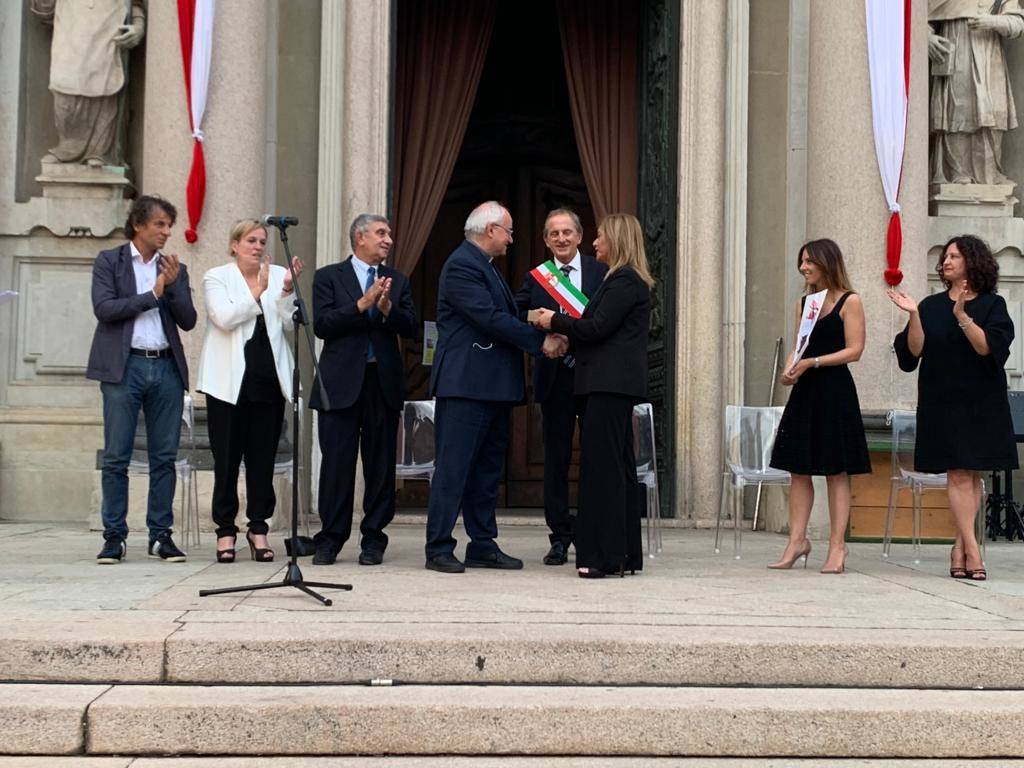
(88, 75)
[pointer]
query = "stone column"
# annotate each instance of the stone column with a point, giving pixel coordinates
(700, 245)
(844, 190)
(235, 126)
(355, 56)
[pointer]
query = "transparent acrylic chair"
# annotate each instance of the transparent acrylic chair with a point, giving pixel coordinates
(415, 459)
(903, 475)
(647, 471)
(139, 465)
(748, 436)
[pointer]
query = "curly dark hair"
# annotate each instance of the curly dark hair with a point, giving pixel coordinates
(142, 211)
(982, 267)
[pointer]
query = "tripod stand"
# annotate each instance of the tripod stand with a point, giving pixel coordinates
(293, 576)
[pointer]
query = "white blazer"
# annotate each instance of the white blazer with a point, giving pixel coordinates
(231, 314)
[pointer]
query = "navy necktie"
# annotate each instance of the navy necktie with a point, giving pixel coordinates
(371, 275)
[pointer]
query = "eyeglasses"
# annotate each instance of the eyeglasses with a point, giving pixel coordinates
(504, 227)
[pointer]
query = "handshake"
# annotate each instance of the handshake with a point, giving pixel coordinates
(555, 344)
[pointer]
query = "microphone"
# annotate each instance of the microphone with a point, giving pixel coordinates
(268, 220)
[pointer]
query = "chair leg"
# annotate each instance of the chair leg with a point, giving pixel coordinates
(721, 508)
(980, 522)
(916, 523)
(649, 523)
(737, 520)
(890, 517)
(656, 502)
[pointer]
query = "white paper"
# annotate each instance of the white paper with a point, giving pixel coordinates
(429, 341)
(811, 312)
(6, 296)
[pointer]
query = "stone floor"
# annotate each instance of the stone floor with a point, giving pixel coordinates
(47, 570)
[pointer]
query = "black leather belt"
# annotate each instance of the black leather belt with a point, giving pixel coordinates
(151, 352)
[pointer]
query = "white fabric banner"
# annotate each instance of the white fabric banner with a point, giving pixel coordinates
(202, 46)
(885, 28)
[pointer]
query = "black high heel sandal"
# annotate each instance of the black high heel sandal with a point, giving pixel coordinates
(259, 554)
(227, 555)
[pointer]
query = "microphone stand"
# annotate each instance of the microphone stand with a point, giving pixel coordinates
(293, 576)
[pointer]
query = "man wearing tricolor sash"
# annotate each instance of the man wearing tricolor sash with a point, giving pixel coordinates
(562, 284)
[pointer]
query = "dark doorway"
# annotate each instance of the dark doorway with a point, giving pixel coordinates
(519, 148)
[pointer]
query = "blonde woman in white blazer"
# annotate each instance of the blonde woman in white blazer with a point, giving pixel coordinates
(245, 370)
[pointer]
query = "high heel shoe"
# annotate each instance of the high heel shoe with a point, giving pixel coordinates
(842, 563)
(786, 563)
(226, 555)
(259, 554)
(957, 571)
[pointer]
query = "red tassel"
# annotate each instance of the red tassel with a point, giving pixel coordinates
(893, 249)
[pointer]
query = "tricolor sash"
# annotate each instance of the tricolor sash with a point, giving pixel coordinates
(560, 288)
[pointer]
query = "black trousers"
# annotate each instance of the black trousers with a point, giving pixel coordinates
(607, 532)
(560, 412)
(247, 431)
(368, 426)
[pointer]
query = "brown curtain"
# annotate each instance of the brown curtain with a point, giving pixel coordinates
(441, 49)
(600, 40)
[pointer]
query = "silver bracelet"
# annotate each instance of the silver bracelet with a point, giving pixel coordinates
(817, 362)
(966, 322)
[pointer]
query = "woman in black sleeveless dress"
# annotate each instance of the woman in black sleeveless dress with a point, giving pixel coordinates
(962, 339)
(821, 431)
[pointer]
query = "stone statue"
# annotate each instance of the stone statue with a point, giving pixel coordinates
(88, 64)
(971, 101)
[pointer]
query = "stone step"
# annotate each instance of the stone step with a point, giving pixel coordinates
(489, 762)
(513, 720)
(265, 652)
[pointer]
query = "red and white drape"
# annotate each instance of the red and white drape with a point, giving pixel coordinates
(888, 27)
(195, 25)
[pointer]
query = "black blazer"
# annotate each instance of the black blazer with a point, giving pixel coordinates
(532, 296)
(611, 337)
(480, 338)
(347, 333)
(116, 302)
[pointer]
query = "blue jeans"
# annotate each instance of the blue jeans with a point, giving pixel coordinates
(155, 386)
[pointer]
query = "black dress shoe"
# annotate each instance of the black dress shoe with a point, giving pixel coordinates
(324, 556)
(590, 573)
(557, 555)
(369, 557)
(496, 559)
(445, 564)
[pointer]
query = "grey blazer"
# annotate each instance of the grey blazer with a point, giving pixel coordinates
(116, 302)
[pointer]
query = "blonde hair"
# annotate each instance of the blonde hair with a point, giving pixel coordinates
(625, 241)
(240, 229)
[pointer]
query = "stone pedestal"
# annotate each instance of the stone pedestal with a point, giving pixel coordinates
(974, 200)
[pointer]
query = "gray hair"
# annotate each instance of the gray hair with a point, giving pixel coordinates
(490, 212)
(563, 212)
(361, 224)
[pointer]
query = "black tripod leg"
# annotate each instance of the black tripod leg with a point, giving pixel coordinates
(229, 590)
(325, 585)
(313, 594)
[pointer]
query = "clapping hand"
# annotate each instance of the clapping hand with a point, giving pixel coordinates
(297, 266)
(168, 268)
(384, 300)
(902, 300)
(958, 303)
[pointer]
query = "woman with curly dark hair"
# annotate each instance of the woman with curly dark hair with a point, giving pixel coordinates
(962, 340)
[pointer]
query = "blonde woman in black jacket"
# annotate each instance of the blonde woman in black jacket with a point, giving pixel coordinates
(610, 342)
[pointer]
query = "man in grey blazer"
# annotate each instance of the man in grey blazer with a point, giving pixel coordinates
(140, 297)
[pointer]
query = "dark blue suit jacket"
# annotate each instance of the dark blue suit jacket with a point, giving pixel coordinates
(481, 339)
(532, 296)
(116, 302)
(347, 333)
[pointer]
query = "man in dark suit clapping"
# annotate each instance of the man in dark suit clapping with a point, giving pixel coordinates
(360, 308)
(477, 377)
(553, 379)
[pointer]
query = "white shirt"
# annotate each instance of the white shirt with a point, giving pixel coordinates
(148, 331)
(576, 273)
